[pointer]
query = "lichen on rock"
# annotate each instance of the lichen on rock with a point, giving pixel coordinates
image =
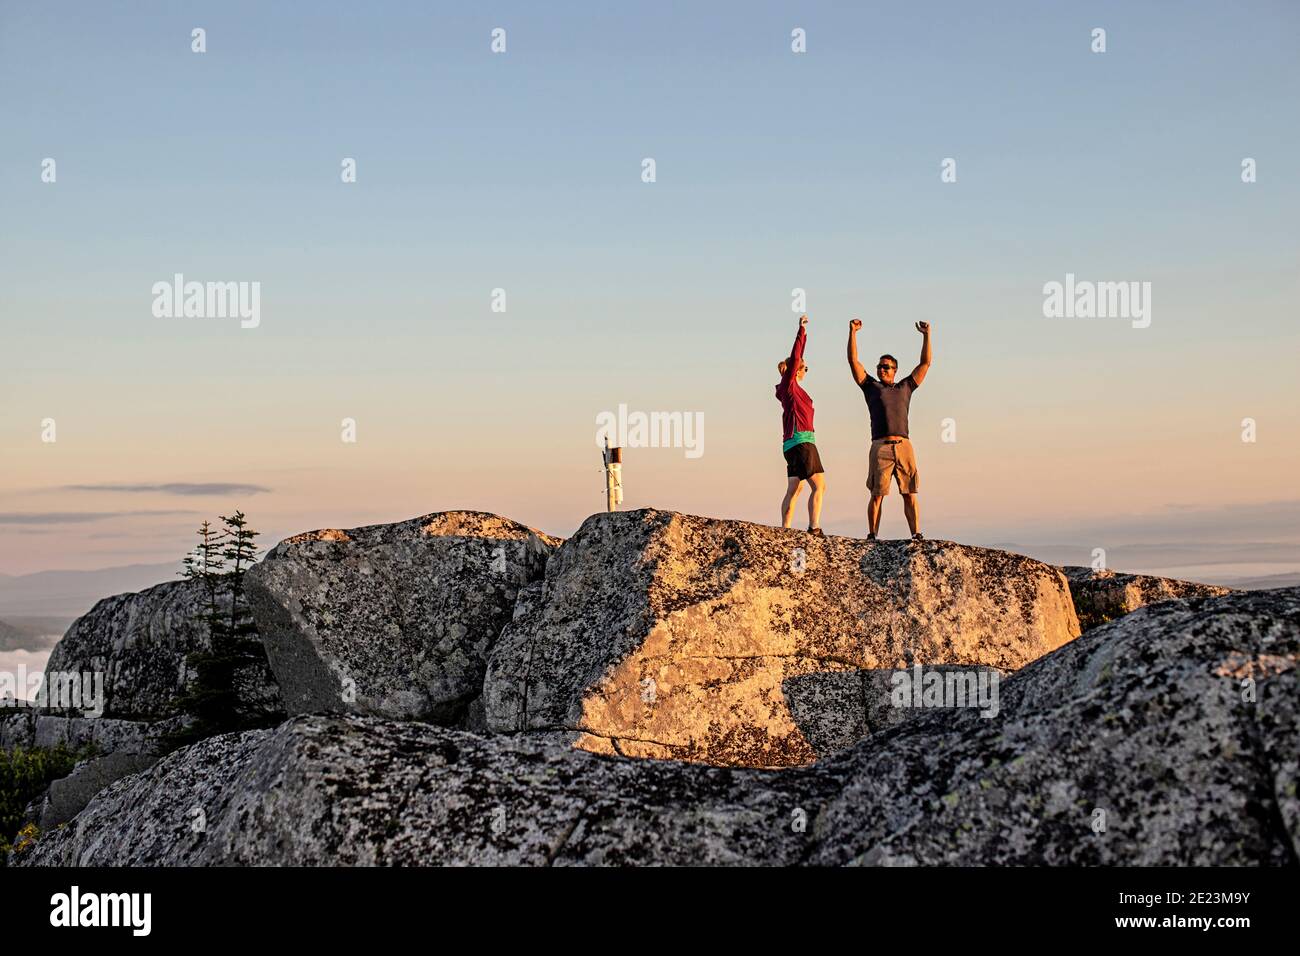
(395, 619)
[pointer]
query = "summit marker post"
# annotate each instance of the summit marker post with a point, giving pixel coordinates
(613, 459)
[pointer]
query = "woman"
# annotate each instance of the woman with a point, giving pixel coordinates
(802, 463)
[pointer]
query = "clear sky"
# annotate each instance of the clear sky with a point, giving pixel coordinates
(522, 171)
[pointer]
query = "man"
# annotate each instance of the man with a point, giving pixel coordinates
(891, 451)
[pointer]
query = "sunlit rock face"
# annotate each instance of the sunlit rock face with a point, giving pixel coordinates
(1170, 737)
(394, 620)
(1101, 595)
(663, 635)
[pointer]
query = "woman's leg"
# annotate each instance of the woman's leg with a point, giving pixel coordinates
(787, 503)
(818, 483)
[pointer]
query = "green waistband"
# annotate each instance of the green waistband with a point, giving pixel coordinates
(798, 438)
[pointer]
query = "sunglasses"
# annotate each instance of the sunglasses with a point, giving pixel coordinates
(886, 367)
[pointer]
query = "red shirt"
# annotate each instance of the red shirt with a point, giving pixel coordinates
(796, 404)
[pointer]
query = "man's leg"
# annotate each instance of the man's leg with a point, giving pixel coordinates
(909, 483)
(787, 503)
(818, 484)
(909, 509)
(877, 468)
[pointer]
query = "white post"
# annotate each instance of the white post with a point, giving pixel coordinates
(613, 458)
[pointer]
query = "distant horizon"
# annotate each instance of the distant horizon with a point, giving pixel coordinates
(33, 658)
(1225, 552)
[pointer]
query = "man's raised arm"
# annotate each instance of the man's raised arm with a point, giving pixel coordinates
(859, 373)
(918, 373)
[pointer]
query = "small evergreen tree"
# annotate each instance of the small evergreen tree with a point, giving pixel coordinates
(205, 565)
(241, 552)
(221, 562)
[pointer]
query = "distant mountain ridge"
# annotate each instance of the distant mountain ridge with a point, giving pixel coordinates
(70, 594)
(1265, 582)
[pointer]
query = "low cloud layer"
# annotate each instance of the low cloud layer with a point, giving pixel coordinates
(177, 488)
(74, 517)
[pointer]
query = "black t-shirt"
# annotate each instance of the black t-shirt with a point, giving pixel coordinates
(888, 406)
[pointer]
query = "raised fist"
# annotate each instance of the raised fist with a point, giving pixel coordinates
(923, 327)
(855, 325)
(803, 321)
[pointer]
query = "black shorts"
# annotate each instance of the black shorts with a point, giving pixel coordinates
(802, 461)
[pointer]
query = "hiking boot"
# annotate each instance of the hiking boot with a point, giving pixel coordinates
(817, 532)
(917, 536)
(871, 536)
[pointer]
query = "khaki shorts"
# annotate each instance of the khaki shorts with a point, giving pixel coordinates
(890, 460)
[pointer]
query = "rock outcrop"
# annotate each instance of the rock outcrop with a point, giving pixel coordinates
(663, 635)
(110, 749)
(1102, 595)
(395, 620)
(123, 665)
(1169, 737)
(26, 728)
(139, 642)
(68, 796)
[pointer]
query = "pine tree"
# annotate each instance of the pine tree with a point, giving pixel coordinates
(205, 564)
(221, 562)
(241, 552)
